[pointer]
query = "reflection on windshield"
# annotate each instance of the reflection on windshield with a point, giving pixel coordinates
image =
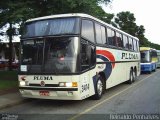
(60, 55)
(52, 27)
(53, 55)
(145, 56)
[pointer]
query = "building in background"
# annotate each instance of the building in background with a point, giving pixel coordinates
(4, 54)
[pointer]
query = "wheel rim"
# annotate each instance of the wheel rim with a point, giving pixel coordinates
(99, 87)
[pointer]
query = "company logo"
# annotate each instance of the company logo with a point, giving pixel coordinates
(42, 83)
(129, 56)
(108, 59)
(43, 78)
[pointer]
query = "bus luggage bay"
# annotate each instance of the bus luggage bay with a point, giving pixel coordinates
(75, 56)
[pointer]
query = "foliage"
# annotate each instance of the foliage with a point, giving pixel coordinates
(17, 11)
(126, 22)
(8, 79)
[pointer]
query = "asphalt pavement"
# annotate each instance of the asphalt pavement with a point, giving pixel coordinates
(142, 97)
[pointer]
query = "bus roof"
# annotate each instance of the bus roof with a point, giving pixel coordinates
(146, 48)
(79, 15)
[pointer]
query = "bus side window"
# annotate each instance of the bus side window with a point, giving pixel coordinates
(84, 56)
(100, 34)
(111, 37)
(137, 46)
(88, 55)
(93, 56)
(134, 45)
(125, 42)
(88, 30)
(130, 43)
(119, 40)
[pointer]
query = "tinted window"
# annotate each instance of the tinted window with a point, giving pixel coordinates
(87, 30)
(93, 55)
(51, 55)
(134, 45)
(138, 46)
(119, 39)
(32, 52)
(103, 34)
(153, 53)
(111, 37)
(88, 55)
(145, 56)
(125, 41)
(84, 56)
(130, 44)
(52, 27)
(100, 34)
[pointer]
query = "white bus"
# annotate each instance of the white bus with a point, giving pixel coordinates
(75, 56)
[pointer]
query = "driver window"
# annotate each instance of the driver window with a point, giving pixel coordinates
(88, 55)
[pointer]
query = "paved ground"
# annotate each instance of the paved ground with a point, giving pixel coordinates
(142, 97)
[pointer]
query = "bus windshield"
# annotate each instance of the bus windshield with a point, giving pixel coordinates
(50, 27)
(51, 55)
(145, 56)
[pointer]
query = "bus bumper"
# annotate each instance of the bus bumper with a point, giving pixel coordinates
(50, 93)
(146, 67)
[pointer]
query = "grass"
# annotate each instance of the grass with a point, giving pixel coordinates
(6, 84)
(8, 79)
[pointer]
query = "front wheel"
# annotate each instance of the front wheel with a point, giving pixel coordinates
(98, 89)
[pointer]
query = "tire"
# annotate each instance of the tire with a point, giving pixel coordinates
(134, 75)
(131, 78)
(149, 72)
(99, 89)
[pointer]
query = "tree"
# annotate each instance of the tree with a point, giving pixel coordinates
(126, 22)
(16, 11)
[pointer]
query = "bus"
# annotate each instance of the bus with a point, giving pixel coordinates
(75, 56)
(158, 55)
(148, 59)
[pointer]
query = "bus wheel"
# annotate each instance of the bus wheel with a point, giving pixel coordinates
(134, 75)
(131, 78)
(98, 89)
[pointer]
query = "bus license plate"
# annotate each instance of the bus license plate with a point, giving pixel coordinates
(44, 93)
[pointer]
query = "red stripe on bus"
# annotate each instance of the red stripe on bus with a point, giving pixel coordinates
(108, 55)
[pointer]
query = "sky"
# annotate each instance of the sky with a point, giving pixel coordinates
(146, 12)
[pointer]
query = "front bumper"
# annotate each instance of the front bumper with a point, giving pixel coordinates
(54, 93)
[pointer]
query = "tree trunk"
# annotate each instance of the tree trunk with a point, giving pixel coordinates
(10, 47)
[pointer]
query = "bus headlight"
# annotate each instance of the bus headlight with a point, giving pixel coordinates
(62, 84)
(65, 84)
(22, 83)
